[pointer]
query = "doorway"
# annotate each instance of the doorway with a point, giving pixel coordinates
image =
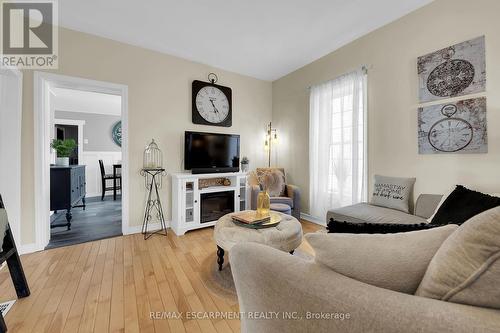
(88, 112)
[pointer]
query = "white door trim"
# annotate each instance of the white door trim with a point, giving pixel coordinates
(80, 124)
(42, 82)
(12, 127)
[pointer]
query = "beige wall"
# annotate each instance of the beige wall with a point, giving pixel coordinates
(391, 53)
(159, 107)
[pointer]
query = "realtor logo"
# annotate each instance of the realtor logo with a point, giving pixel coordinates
(29, 34)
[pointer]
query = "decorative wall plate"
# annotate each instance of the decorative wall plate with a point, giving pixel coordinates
(116, 133)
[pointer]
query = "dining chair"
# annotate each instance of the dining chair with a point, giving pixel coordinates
(105, 177)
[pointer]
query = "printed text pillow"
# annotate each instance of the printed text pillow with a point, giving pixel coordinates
(392, 192)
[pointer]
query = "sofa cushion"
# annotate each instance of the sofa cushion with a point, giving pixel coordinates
(466, 268)
(282, 200)
(393, 192)
(367, 213)
(462, 204)
(396, 261)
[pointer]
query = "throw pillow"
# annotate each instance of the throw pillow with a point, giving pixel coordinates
(396, 261)
(392, 192)
(269, 175)
(466, 268)
(462, 204)
(445, 196)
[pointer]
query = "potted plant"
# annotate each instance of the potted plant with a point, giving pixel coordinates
(63, 149)
(244, 164)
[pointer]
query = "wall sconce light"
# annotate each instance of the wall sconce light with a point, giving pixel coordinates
(271, 138)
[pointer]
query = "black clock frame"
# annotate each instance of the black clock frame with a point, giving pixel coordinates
(197, 118)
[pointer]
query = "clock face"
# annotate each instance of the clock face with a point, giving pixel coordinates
(450, 134)
(212, 104)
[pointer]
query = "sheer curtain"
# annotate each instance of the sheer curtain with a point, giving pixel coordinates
(337, 143)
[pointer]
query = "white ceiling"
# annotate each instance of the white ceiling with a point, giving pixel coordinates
(265, 39)
(87, 102)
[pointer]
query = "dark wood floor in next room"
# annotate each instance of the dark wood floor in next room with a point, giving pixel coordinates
(100, 219)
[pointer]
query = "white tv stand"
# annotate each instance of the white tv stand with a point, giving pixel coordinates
(187, 196)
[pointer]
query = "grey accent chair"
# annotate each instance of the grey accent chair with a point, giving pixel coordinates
(290, 195)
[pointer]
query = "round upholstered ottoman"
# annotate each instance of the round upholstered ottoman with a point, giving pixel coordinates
(282, 208)
(286, 236)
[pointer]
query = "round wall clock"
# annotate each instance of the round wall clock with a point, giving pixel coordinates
(211, 103)
(116, 133)
(450, 134)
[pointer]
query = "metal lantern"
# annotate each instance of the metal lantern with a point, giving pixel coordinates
(153, 157)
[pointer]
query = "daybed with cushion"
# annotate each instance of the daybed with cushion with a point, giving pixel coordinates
(431, 211)
(368, 213)
(445, 279)
(391, 203)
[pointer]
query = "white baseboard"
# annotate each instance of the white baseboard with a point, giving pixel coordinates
(312, 219)
(136, 229)
(29, 248)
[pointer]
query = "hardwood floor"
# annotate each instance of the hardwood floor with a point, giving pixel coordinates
(112, 285)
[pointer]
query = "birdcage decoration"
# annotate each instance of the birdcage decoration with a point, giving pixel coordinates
(153, 157)
(153, 172)
(152, 165)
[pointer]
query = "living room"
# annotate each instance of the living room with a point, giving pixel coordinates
(290, 86)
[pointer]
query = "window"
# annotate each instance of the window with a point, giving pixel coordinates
(337, 143)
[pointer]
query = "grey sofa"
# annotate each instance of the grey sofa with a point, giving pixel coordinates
(291, 196)
(367, 213)
(305, 296)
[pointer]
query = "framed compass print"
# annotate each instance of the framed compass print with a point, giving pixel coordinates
(458, 127)
(457, 70)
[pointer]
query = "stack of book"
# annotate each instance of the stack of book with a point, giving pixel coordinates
(250, 217)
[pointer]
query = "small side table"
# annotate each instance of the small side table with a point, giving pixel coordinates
(153, 204)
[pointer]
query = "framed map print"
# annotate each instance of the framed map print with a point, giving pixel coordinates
(458, 127)
(457, 70)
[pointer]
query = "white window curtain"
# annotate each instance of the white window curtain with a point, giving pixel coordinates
(337, 143)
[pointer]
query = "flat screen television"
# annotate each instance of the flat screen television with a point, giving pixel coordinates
(211, 152)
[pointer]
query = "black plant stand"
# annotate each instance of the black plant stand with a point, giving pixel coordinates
(153, 204)
(9, 253)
